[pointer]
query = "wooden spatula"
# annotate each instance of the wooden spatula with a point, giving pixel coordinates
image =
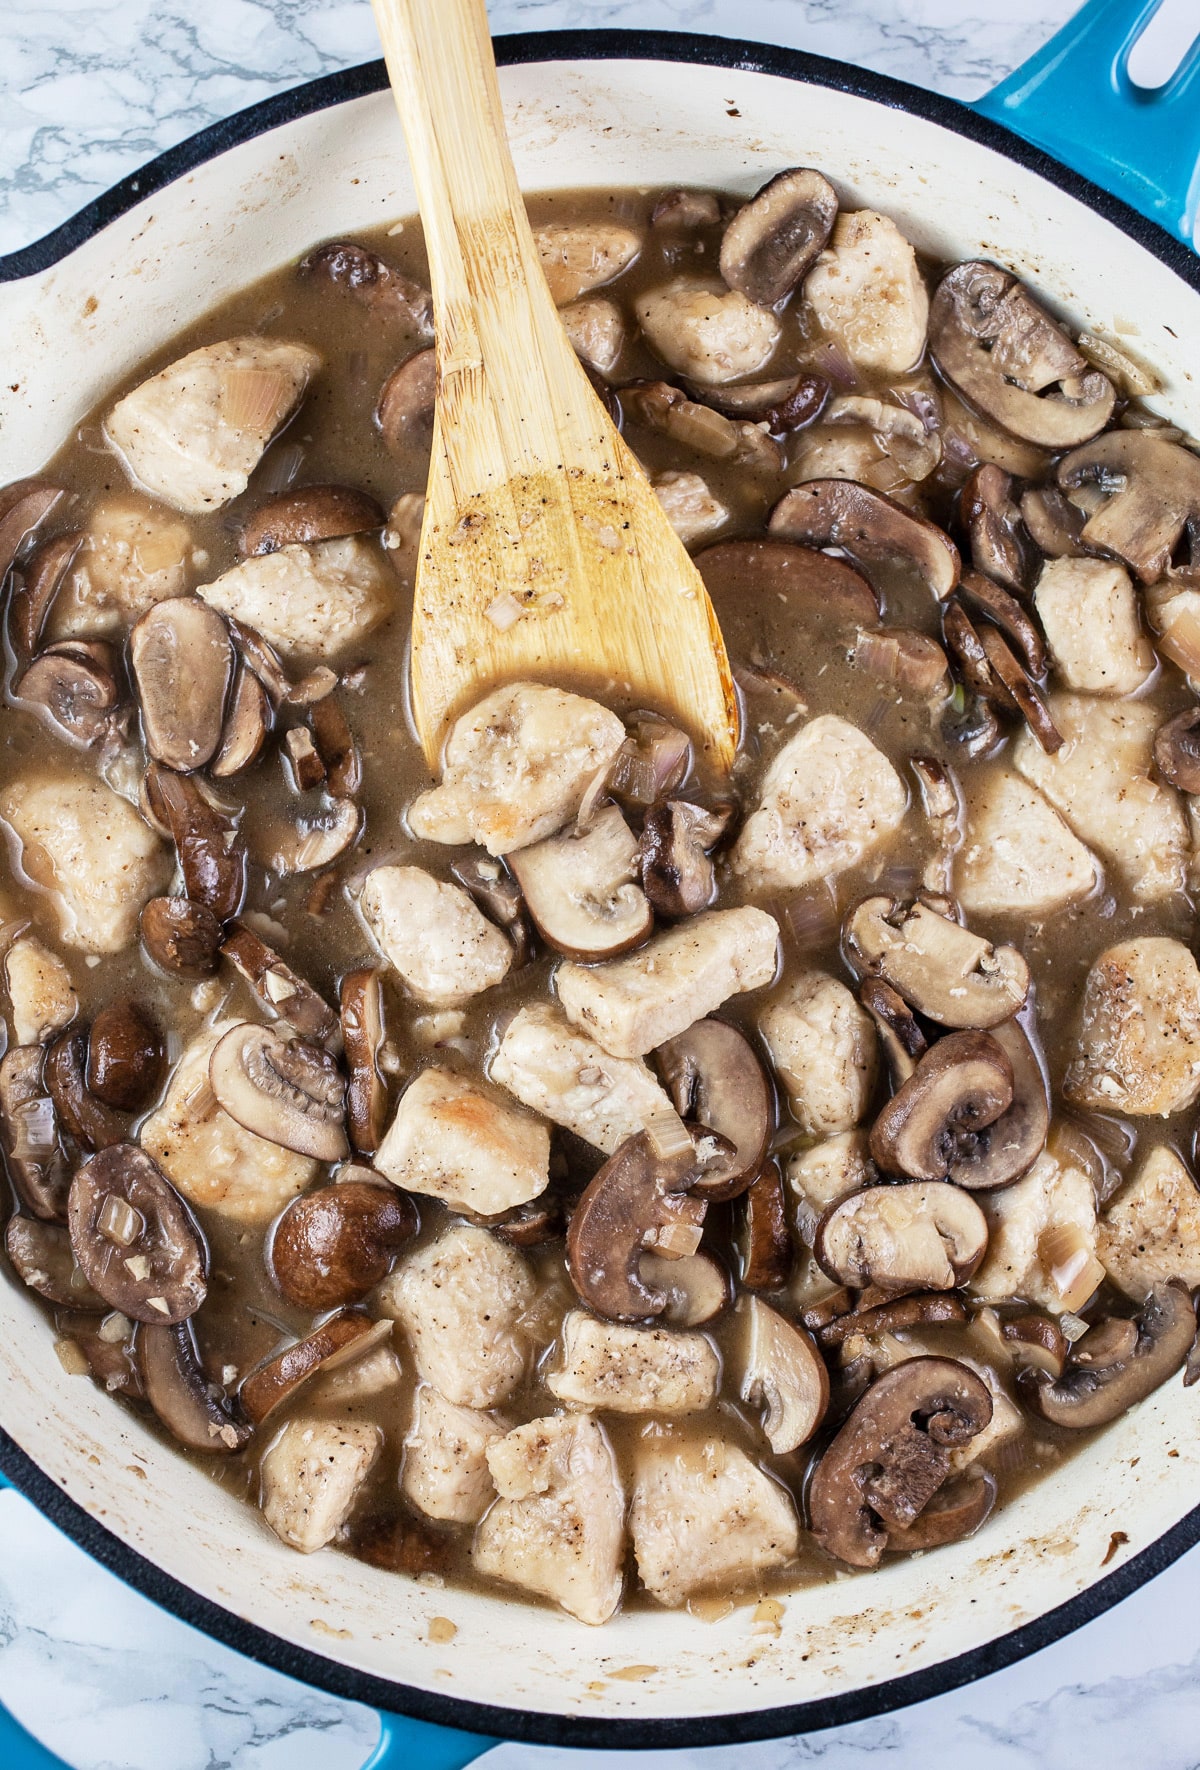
(544, 554)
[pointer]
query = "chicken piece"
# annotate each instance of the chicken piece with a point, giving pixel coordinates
(558, 1528)
(1007, 1421)
(630, 1005)
(823, 1048)
(578, 256)
(1101, 782)
(705, 331)
(1151, 1230)
(516, 768)
(309, 601)
(1019, 1259)
(461, 1299)
(693, 510)
(829, 1170)
(828, 799)
(633, 1370)
(132, 555)
(311, 1475)
(89, 850)
(569, 1079)
(194, 433)
(1089, 614)
(455, 1139)
(445, 1472)
(703, 1517)
(1018, 856)
(867, 291)
(596, 329)
(216, 1163)
(360, 1386)
(1139, 1037)
(442, 945)
(39, 991)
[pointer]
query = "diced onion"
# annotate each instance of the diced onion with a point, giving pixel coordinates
(504, 611)
(668, 1134)
(118, 1222)
(253, 399)
(1181, 642)
(71, 1356)
(1073, 1326)
(1073, 1268)
(1132, 377)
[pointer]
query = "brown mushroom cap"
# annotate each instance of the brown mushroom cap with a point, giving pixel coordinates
(940, 968)
(956, 1511)
(914, 1235)
(783, 405)
(762, 1239)
(286, 1090)
(212, 855)
(1002, 351)
(126, 1056)
(317, 838)
(181, 936)
(42, 1258)
(332, 1246)
(783, 1373)
(991, 599)
(893, 1454)
(774, 238)
(1153, 491)
(76, 694)
(404, 413)
(873, 530)
(1036, 1343)
(666, 409)
(697, 1287)
(362, 1035)
(999, 544)
(182, 660)
(1054, 523)
(175, 1385)
(1177, 750)
(29, 1129)
(901, 655)
(637, 1200)
(904, 1044)
(23, 505)
(715, 1080)
(247, 726)
(916, 1309)
(498, 895)
(342, 1338)
(110, 1361)
(34, 588)
(579, 888)
(337, 748)
(676, 872)
(1028, 701)
(386, 292)
(278, 987)
(92, 1123)
(1093, 1390)
(306, 514)
(134, 1238)
(814, 584)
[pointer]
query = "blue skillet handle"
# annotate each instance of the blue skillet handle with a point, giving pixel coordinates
(1075, 99)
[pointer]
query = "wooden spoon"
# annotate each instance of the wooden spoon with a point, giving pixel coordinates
(544, 551)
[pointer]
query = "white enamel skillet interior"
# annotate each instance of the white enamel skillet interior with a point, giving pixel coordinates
(585, 110)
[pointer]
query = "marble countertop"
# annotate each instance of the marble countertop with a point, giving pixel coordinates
(94, 1670)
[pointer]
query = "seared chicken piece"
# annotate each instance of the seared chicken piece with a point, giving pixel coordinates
(693, 510)
(456, 1139)
(442, 945)
(1151, 1230)
(1089, 613)
(311, 1476)
(868, 293)
(705, 331)
(310, 601)
(445, 1472)
(596, 329)
(578, 256)
(1139, 1037)
(568, 1078)
(39, 991)
(360, 1386)
(1018, 856)
(1007, 1421)
(633, 1370)
(1030, 1224)
(823, 1048)
(132, 555)
(828, 1171)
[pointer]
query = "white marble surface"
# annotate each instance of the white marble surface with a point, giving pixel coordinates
(106, 1680)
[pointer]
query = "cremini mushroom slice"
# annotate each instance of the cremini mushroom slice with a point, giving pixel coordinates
(956, 1511)
(336, 747)
(819, 587)
(773, 239)
(581, 888)
(277, 986)
(247, 726)
(126, 1056)
(783, 405)
(362, 1036)
(1177, 750)
(24, 505)
(332, 1246)
(893, 1454)
(404, 413)
(305, 765)
(915, 1235)
(876, 532)
(336, 1341)
(666, 409)
(93, 1124)
(987, 598)
(993, 521)
(75, 693)
(940, 968)
(386, 292)
(175, 1385)
(834, 1321)
(1055, 524)
(716, 1081)
(317, 838)
(762, 1239)
(677, 874)
(134, 1239)
(1150, 492)
(35, 587)
(1007, 671)
(183, 937)
(1129, 1366)
(30, 1133)
(43, 1259)
(783, 1373)
(904, 1044)
(182, 661)
(1003, 352)
(498, 895)
(285, 1090)
(1037, 1343)
(308, 513)
(212, 855)
(697, 1287)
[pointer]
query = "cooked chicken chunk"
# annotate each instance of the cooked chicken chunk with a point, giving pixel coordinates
(1018, 857)
(92, 854)
(823, 1048)
(1089, 614)
(1151, 1230)
(578, 256)
(705, 331)
(828, 799)
(828, 1171)
(310, 601)
(693, 510)
(39, 991)
(568, 1078)
(442, 945)
(1021, 1256)
(361, 1385)
(630, 1005)
(596, 329)
(1007, 1422)
(132, 555)
(214, 1161)
(558, 1528)
(866, 289)
(194, 433)
(1101, 782)
(311, 1475)
(516, 768)
(633, 1370)
(704, 1517)
(458, 1140)
(1139, 1037)
(461, 1299)
(445, 1472)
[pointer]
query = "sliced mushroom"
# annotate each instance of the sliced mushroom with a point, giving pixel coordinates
(318, 838)
(904, 657)
(307, 768)
(76, 693)
(212, 856)
(784, 405)
(498, 895)
(406, 404)
(29, 1126)
(1152, 492)
(915, 1235)
(667, 409)
(23, 506)
(774, 238)
(904, 1044)
(176, 1387)
(1025, 696)
(941, 969)
(974, 729)
(342, 1338)
(687, 209)
(956, 1511)
(813, 583)
(106, 1343)
(1037, 1343)
(1054, 523)
(716, 1081)
(1093, 1391)
(999, 546)
(893, 1454)
(337, 748)
(580, 889)
(92, 1124)
(697, 1287)
(1177, 750)
(783, 1373)
(1002, 351)
(334, 1245)
(677, 874)
(383, 290)
(991, 599)
(308, 513)
(42, 1258)
(126, 1056)
(134, 1239)
(278, 987)
(532, 1224)
(34, 589)
(763, 1241)
(362, 1037)
(181, 936)
(899, 1315)
(182, 662)
(873, 530)
(966, 643)
(247, 726)
(286, 1090)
